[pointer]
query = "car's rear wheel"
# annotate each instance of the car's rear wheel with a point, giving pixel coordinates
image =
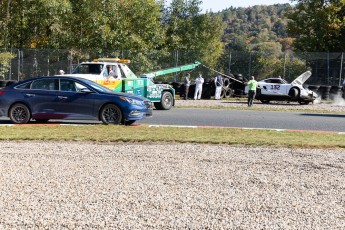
(19, 113)
(166, 101)
(111, 114)
(294, 93)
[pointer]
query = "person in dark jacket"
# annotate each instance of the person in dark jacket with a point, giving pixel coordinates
(186, 86)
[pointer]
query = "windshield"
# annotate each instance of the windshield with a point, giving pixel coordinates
(88, 69)
(98, 87)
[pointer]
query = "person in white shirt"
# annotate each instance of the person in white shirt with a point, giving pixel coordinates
(218, 81)
(198, 87)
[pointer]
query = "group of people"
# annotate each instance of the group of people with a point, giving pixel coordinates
(218, 81)
(198, 86)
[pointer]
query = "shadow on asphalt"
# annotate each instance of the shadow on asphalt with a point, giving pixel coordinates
(322, 115)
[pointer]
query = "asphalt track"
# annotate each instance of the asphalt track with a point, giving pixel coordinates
(248, 119)
(191, 117)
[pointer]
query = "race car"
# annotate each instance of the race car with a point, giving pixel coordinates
(278, 89)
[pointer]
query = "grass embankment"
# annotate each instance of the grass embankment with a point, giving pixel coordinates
(143, 133)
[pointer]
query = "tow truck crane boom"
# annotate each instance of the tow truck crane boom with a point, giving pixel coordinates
(153, 74)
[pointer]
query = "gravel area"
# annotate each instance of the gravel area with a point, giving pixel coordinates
(71, 185)
(336, 106)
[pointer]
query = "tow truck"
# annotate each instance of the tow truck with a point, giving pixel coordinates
(115, 74)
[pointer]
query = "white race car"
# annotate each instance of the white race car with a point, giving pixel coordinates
(278, 89)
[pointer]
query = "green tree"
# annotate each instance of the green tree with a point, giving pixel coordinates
(197, 34)
(5, 63)
(318, 25)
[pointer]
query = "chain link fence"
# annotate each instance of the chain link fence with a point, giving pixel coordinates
(327, 68)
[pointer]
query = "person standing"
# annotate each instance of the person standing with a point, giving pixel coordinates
(252, 84)
(218, 81)
(186, 86)
(198, 87)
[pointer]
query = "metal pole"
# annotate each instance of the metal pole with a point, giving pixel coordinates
(10, 74)
(341, 68)
(48, 72)
(327, 67)
(18, 65)
(284, 66)
(230, 63)
(250, 61)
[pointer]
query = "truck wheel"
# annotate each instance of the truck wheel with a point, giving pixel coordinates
(111, 114)
(166, 101)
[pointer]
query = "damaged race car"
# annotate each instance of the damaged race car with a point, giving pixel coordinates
(278, 89)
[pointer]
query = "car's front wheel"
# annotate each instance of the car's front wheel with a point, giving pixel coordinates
(19, 114)
(111, 114)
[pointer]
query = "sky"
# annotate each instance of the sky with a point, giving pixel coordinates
(217, 5)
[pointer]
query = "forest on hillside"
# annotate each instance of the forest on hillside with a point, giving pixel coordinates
(260, 40)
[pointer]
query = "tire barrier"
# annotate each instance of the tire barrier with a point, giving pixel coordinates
(2, 83)
(222, 94)
(208, 90)
(313, 88)
(226, 83)
(10, 82)
(324, 91)
(335, 92)
(228, 93)
(231, 88)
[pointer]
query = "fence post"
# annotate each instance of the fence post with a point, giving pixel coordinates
(341, 68)
(230, 62)
(18, 65)
(284, 65)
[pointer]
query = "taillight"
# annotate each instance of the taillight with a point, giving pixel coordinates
(2, 92)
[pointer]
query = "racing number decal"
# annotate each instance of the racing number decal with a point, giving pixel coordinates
(275, 87)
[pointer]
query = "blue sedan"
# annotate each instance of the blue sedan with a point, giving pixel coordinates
(63, 97)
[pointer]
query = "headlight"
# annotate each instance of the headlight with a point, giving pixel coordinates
(132, 101)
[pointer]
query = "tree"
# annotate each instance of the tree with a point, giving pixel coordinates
(199, 35)
(318, 25)
(5, 63)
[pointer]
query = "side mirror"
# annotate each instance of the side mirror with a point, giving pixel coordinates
(85, 90)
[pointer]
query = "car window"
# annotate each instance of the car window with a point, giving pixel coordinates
(88, 69)
(24, 86)
(97, 86)
(45, 84)
(276, 81)
(67, 85)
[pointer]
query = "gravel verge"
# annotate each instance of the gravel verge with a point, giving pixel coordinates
(53, 185)
(337, 106)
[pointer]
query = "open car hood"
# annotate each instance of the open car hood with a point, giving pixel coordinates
(301, 78)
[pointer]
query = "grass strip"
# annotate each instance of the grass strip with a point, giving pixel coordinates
(143, 133)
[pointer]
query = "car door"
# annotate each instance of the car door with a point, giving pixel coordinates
(41, 97)
(72, 103)
(273, 87)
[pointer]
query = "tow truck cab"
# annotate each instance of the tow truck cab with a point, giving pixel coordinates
(115, 74)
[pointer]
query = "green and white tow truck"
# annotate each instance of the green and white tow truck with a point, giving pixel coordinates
(115, 74)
